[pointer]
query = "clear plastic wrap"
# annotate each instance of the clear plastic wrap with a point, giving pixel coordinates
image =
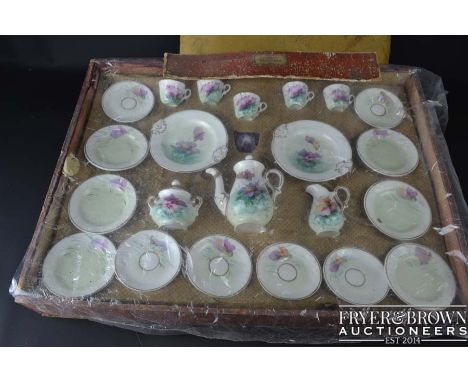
(199, 211)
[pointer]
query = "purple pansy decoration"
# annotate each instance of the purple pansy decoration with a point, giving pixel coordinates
(408, 193)
(140, 91)
(224, 245)
(173, 203)
(380, 133)
(185, 147)
(423, 255)
(198, 134)
(310, 139)
(246, 174)
(336, 263)
(340, 95)
(158, 243)
(245, 103)
(119, 183)
(280, 253)
(100, 244)
(118, 131)
(309, 156)
(173, 92)
(209, 88)
(251, 190)
(296, 91)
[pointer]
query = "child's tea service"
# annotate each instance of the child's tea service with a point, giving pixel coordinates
(296, 94)
(211, 91)
(337, 97)
(248, 106)
(173, 93)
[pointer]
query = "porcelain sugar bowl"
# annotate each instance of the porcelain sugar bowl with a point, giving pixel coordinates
(174, 208)
(249, 206)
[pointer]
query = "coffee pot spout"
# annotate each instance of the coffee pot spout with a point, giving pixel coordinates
(220, 197)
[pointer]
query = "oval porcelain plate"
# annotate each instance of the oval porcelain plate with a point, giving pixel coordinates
(355, 276)
(102, 204)
(148, 260)
(79, 265)
(116, 148)
(387, 152)
(188, 141)
(219, 266)
(419, 276)
(311, 151)
(397, 209)
(379, 108)
(288, 271)
(127, 101)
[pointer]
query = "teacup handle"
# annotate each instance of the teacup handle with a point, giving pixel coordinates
(226, 89)
(187, 94)
(275, 189)
(262, 107)
(351, 99)
(342, 203)
(310, 96)
(197, 202)
(151, 201)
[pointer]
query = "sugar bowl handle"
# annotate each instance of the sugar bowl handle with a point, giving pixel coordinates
(197, 202)
(151, 201)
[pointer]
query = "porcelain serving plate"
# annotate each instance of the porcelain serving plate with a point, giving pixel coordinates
(219, 266)
(397, 209)
(288, 271)
(387, 152)
(355, 276)
(148, 260)
(419, 276)
(311, 151)
(102, 204)
(188, 141)
(79, 265)
(379, 108)
(116, 148)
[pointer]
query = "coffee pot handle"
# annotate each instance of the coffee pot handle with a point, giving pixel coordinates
(342, 203)
(275, 189)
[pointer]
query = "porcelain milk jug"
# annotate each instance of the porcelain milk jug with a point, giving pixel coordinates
(326, 215)
(249, 207)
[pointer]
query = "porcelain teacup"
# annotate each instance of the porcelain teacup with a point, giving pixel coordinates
(173, 93)
(338, 97)
(248, 106)
(211, 91)
(296, 94)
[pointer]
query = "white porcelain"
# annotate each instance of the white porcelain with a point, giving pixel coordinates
(174, 208)
(188, 141)
(337, 97)
(296, 94)
(288, 271)
(311, 151)
(397, 209)
(116, 148)
(379, 108)
(248, 106)
(211, 91)
(355, 276)
(148, 260)
(102, 204)
(219, 266)
(127, 101)
(387, 152)
(79, 265)
(326, 216)
(249, 207)
(173, 93)
(419, 276)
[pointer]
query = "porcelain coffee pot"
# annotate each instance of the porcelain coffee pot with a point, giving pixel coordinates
(174, 208)
(249, 206)
(326, 216)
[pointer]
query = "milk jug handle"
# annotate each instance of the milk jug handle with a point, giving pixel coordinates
(342, 203)
(275, 188)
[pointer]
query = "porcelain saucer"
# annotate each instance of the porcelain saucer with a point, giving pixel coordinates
(379, 108)
(116, 148)
(311, 151)
(148, 260)
(397, 209)
(79, 265)
(288, 271)
(188, 141)
(419, 276)
(219, 266)
(355, 276)
(127, 101)
(387, 152)
(102, 204)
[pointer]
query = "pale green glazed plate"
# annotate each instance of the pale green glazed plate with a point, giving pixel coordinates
(79, 265)
(387, 152)
(397, 209)
(419, 276)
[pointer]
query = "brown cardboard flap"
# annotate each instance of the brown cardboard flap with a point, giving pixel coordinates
(318, 65)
